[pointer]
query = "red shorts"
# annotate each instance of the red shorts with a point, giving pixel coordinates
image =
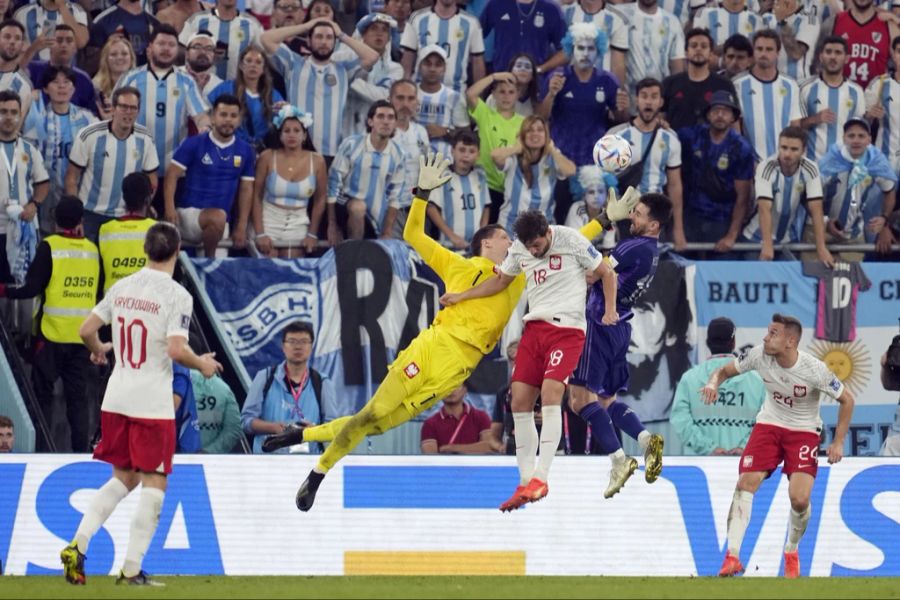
(146, 445)
(769, 445)
(547, 352)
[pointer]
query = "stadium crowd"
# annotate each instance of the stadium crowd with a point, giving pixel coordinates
(268, 128)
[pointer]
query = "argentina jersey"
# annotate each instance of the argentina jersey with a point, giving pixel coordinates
(237, 34)
(166, 105)
(518, 196)
(722, 23)
(851, 207)
(806, 31)
(653, 41)
(846, 102)
(460, 36)
(786, 192)
(53, 134)
(38, 21)
(23, 168)
(18, 82)
(319, 89)
(606, 21)
(462, 200)
(445, 108)
(767, 107)
(885, 91)
(665, 154)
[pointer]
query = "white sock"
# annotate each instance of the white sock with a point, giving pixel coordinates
(526, 444)
(798, 522)
(618, 457)
(738, 519)
(643, 439)
(143, 526)
(551, 432)
(103, 503)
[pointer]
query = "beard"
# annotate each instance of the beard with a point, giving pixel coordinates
(200, 64)
(8, 56)
(322, 56)
(163, 64)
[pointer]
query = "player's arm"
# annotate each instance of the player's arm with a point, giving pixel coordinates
(178, 350)
(817, 215)
(836, 450)
(489, 287)
(710, 391)
(89, 333)
(610, 281)
(764, 206)
(431, 176)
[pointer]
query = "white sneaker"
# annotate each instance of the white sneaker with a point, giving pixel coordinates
(619, 474)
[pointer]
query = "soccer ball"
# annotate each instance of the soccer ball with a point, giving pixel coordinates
(612, 153)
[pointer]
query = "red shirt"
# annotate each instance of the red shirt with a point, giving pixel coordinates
(869, 47)
(442, 426)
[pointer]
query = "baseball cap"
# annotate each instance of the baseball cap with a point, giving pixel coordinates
(201, 35)
(432, 49)
(720, 331)
(857, 121)
(375, 17)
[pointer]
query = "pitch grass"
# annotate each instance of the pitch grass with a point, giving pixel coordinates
(517, 588)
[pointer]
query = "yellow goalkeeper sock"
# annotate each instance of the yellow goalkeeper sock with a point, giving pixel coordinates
(324, 432)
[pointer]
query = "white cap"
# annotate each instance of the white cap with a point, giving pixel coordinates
(201, 35)
(432, 49)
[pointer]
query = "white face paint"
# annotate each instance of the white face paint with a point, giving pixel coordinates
(522, 65)
(595, 195)
(584, 53)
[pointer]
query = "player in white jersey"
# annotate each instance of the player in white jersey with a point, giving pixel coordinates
(555, 260)
(150, 315)
(787, 429)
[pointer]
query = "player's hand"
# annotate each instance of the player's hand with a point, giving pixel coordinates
(709, 393)
(835, 452)
(99, 358)
(209, 366)
(450, 299)
(610, 318)
(619, 209)
(432, 171)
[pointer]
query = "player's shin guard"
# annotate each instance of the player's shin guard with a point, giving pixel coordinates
(601, 426)
(526, 444)
(798, 522)
(143, 526)
(738, 519)
(103, 503)
(625, 419)
(551, 432)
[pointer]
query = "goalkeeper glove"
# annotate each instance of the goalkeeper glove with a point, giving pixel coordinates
(432, 174)
(618, 209)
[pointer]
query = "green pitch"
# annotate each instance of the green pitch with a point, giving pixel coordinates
(459, 587)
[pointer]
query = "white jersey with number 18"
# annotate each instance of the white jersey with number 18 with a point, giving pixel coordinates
(144, 311)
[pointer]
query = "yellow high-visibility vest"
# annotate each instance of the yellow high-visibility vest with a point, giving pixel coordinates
(122, 248)
(72, 291)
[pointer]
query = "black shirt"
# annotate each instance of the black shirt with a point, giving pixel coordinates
(685, 101)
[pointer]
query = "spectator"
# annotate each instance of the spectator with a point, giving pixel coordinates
(187, 423)
(43, 17)
(116, 58)
(869, 37)
(855, 175)
(727, 19)
(723, 427)
(686, 95)
(782, 182)
(799, 32)
(412, 137)
(531, 168)
(880, 95)
(318, 84)
(525, 71)
(461, 206)
(218, 414)
(441, 108)
(374, 84)
(288, 180)
(316, 9)
(12, 78)
(126, 18)
(198, 62)
(400, 10)
(60, 354)
(769, 100)
(718, 176)
(121, 241)
(52, 124)
(288, 393)
(609, 21)
(7, 434)
(24, 185)
(102, 154)
(590, 187)
(219, 168)
(659, 168)
(234, 32)
(367, 177)
(455, 31)
(497, 128)
(178, 12)
(535, 27)
(62, 54)
(253, 87)
(737, 57)
(457, 428)
(660, 36)
(168, 98)
(829, 100)
(287, 13)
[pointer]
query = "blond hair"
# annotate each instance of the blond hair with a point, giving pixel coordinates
(103, 80)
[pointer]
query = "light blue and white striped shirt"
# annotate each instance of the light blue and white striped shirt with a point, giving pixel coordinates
(238, 33)
(460, 36)
(166, 105)
(665, 155)
(806, 30)
(518, 197)
(767, 107)
(606, 21)
(54, 134)
(22, 169)
(786, 193)
(319, 89)
(38, 19)
(846, 101)
(653, 41)
(18, 82)
(723, 24)
(414, 142)
(885, 91)
(462, 200)
(446, 108)
(679, 8)
(106, 160)
(360, 172)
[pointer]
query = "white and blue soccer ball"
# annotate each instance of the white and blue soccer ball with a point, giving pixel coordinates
(612, 153)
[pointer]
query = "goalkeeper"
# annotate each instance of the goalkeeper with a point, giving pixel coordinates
(443, 356)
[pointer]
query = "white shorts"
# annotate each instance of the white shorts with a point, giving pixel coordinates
(285, 225)
(189, 225)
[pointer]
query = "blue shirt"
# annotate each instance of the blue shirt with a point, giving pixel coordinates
(730, 161)
(254, 125)
(213, 173)
(537, 28)
(186, 420)
(84, 95)
(137, 29)
(580, 114)
(634, 261)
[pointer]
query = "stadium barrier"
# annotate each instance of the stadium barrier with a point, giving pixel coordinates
(438, 515)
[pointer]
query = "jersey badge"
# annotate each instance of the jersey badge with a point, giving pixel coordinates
(555, 262)
(600, 96)
(799, 391)
(206, 160)
(748, 461)
(459, 34)
(185, 321)
(330, 80)
(237, 161)
(592, 251)
(722, 165)
(176, 92)
(411, 370)
(539, 20)
(835, 384)
(876, 37)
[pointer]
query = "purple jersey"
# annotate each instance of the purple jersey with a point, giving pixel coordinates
(580, 114)
(634, 261)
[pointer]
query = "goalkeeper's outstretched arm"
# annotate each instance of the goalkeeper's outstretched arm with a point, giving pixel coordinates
(431, 176)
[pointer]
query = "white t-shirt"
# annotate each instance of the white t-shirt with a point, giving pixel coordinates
(792, 395)
(144, 309)
(555, 282)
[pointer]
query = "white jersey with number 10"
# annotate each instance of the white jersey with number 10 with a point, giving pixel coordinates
(144, 311)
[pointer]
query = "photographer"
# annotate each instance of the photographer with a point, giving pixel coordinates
(890, 380)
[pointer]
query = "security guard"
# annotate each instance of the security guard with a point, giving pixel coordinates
(122, 240)
(66, 273)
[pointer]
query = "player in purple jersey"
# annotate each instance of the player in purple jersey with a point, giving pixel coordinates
(602, 371)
